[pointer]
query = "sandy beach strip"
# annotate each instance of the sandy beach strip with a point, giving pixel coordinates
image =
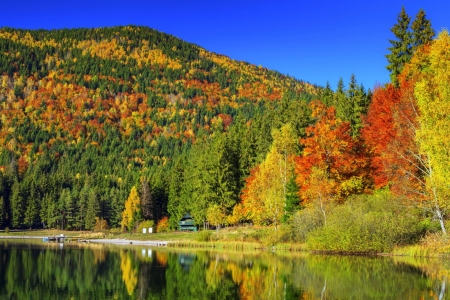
(21, 237)
(128, 242)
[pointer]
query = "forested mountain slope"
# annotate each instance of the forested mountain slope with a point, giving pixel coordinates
(86, 114)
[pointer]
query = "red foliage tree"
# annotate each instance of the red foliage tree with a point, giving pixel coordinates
(329, 147)
(379, 131)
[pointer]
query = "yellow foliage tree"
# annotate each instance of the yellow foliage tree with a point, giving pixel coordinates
(433, 94)
(131, 213)
(264, 196)
(129, 273)
(216, 216)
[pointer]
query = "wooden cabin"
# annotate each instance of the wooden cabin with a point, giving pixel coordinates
(187, 223)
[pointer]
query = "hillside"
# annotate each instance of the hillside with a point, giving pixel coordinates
(86, 114)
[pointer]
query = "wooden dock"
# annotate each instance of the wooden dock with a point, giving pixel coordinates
(55, 239)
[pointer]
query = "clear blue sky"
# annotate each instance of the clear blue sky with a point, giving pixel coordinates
(316, 41)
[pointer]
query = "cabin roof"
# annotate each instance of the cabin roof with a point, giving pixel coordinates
(186, 216)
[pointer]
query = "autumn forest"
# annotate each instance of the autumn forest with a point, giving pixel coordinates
(112, 127)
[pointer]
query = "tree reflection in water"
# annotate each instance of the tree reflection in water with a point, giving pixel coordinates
(44, 271)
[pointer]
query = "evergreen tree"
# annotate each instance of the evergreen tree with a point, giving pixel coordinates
(82, 204)
(2, 202)
(93, 207)
(327, 94)
(17, 205)
(32, 209)
(422, 32)
(2, 210)
(340, 102)
(145, 195)
(356, 99)
(401, 51)
(69, 208)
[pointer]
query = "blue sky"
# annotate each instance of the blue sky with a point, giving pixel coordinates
(316, 41)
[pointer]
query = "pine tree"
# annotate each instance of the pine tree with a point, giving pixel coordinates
(2, 202)
(327, 95)
(340, 102)
(93, 207)
(356, 99)
(2, 210)
(17, 205)
(401, 51)
(145, 194)
(422, 31)
(32, 210)
(69, 208)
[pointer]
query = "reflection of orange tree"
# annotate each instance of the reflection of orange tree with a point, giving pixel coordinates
(256, 280)
(129, 274)
(162, 258)
(99, 255)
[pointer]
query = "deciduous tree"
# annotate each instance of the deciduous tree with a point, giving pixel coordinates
(433, 94)
(131, 213)
(332, 158)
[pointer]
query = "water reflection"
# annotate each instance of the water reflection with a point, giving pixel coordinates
(47, 271)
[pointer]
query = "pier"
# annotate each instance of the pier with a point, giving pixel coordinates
(56, 239)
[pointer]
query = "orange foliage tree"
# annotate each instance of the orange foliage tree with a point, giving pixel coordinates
(333, 165)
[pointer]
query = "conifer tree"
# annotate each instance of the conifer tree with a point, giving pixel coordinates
(31, 212)
(422, 33)
(340, 102)
(17, 205)
(145, 194)
(327, 95)
(93, 207)
(400, 52)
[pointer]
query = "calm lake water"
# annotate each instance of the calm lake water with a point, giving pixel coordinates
(38, 270)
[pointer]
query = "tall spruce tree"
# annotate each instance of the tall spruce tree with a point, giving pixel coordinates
(422, 33)
(93, 207)
(401, 51)
(145, 194)
(327, 94)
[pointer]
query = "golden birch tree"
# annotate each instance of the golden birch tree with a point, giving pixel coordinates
(131, 213)
(433, 99)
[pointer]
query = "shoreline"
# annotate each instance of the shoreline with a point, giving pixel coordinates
(20, 237)
(98, 241)
(129, 242)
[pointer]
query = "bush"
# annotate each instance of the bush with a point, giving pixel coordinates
(145, 224)
(163, 225)
(100, 224)
(283, 234)
(115, 231)
(305, 221)
(203, 236)
(368, 223)
(7, 230)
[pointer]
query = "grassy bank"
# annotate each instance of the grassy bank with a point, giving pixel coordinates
(243, 239)
(233, 238)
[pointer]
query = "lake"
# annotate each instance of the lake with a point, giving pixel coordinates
(32, 269)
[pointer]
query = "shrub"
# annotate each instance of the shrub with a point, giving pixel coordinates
(100, 225)
(281, 235)
(7, 230)
(368, 223)
(115, 231)
(305, 221)
(163, 225)
(204, 236)
(145, 224)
